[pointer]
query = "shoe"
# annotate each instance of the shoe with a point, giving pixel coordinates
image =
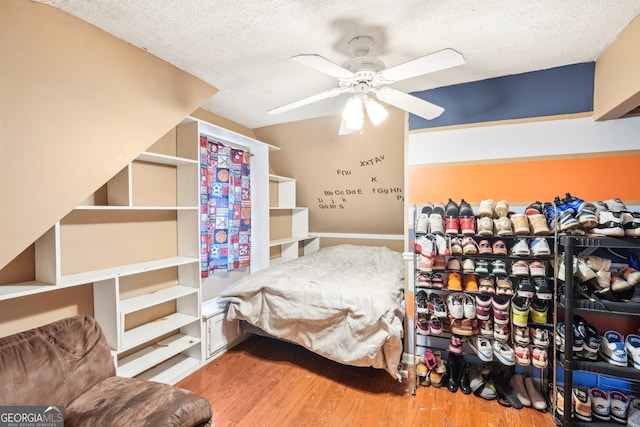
(425, 264)
(613, 348)
(454, 283)
(632, 344)
(520, 268)
(468, 266)
(425, 246)
(482, 266)
(597, 263)
(535, 208)
(582, 404)
(439, 263)
(520, 224)
(422, 224)
(616, 205)
(469, 283)
(435, 325)
(504, 353)
(618, 284)
(539, 311)
(600, 404)
(633, 413)
(501, 209)
(456, 247)
(539, 357)
(536, 268)
(452, 222)
(423, 280)
(520, 308)
(482, 347)
(484, 247)
(498, 267)
(437, 306)
(465, 209)
(455, 344)
(422, 324)
(453, 264)
(610, 224)
(543, 290)
(443, 245)
(559, 399)
(501, 307)
(578, 340)
(520, 248)
(499, 248)
(486, 208)
(487, 391)
(586, 216)
(574, 203)
(436, 223)
(523, 354)
(483, 307)
(567, 220)
(520, 335)
(422, 372)
(631, 275)
(539, 337)
(469, 246)
(540, 247)
(468, 225)
(525, 289)
(476, 379)
(469, 306)
(422, 302)
(539, 225)
(504, 286)
(486, 285)
(619, 406)
(437, 281)
(537, 401)
(455, 364)
(465, 384)
(486, 328)
(455, 304)
(484, 226)
(501, 332)
(503, 226)
(591, 339)
(631, 223)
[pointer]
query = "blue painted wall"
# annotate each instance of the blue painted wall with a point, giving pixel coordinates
(561, 90)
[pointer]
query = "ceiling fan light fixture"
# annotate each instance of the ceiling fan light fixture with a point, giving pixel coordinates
(353, 114)
(376, 112)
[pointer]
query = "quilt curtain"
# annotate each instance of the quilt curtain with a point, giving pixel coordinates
(225, 217)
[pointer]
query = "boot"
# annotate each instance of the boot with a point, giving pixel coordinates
(454, 368)
(464, 381)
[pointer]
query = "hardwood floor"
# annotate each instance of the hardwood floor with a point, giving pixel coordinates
(265, 382)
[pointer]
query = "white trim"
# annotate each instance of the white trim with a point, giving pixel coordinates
(360, 236)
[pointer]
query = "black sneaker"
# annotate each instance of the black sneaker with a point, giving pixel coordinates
(543, 290)
(534, 208)
(590, 337)
(439, 209)
(451, 209)
(525, 289)
(428, 208)
(465, 210)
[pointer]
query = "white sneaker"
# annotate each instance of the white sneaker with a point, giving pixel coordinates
(482, 347)
(436, 223)
(631, 223)
(613, 348)
(610, 224)
(486, 208)
(423, 223)
(540, 247)
(520, 248)
(504, 353)
(455, 304)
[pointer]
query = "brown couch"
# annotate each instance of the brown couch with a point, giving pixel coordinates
(69, 363)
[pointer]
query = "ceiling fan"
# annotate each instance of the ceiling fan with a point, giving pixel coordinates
(364, 76)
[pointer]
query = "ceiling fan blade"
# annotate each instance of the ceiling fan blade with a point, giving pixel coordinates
(314, 98)
(323, 65)
(409, 103)
(446, 58)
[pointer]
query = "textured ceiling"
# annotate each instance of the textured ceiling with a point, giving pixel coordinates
(243, 47)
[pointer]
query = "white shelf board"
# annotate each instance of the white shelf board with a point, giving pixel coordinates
(124, 270)
(165, 160)
(143, 333)
(289, 208)
(140, 361)
(212, 307)
(172, 370)
(135, 208)
(25, 288)
(141, 302)
(291, 239)
(278, 178)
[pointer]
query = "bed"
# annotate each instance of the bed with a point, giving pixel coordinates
(343, 302)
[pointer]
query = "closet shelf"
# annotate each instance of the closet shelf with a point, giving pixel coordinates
(292, 239)
(602, 306)
(600, 367)
(139, 335)
(141, 302)
(135, 208)
(25, 288)
(165, 160)
(171, 370)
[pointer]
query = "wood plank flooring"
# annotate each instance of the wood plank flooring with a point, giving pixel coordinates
(265, 382)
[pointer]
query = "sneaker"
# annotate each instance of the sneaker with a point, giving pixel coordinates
(501, 332)
(539, 337)
(455, 344)
(469, 283)
(422, 324)
(499, 248)
(482, 347)
(465, 209)
(443, 245)
(484, 226)
(539, 310)
(520, 248)
(520, 335)
(613, 348)
(439, 263)
(425, 246)
(631, 275)
(520, 308)
(525, 289)
(464, 327)
(469, 246)
(523, 354)
(619, 406)
(455, 303)
(498, 267)
(468, 225)
(482, 266)
(631, 223)
(484, 247)
(520, 268)
(503, 226)
(504, 286)
(543, 290)
(423, 280)
(486, 285)
(501, 209)
(456, 246)
(618, 284)
(453, 264)
(520, 223)
(610, 224)
(422, 302)
(535, 208)
(517, 384)
(422, 225)
(435, 325)
(632, 344)
(486, 208)
(504, 353)
(616, 205)
(591, 342)
(501, 306)
(539, 225)
(586, 216)
(536, 268)
(540, 247)
(574, 203)
(581, 404)
(452, 222)
(539, 357)
(437, 280)
(436, 304)
(436, 223)
(567, 220)
(486, 328)
(454, 283)
(600, 404)
(483, 307)
(468, 266)
(469, 306)
(425, 264)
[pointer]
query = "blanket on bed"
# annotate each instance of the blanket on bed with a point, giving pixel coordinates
(343, 302)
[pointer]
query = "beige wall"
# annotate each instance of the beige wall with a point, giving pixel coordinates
(352, 183)
(76, 105)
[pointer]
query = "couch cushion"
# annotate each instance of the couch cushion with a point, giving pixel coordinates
(120, 401)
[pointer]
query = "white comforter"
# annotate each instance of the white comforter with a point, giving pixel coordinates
(343, 302)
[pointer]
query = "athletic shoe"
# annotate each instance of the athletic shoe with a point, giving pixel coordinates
(453, 281)
(619, 406)
(501, 331)
(426, 246)
(453, 264)
(464, 327)
(455, 344)
(503, 226)
(486, 285)
(469, 246)
(435, 325)
(422, 324)
(455, 304)
(543, 290)
(468, 266)
(501, 209)
(591, 342)
(520, 268)
(587, 217)
(618, 284)
(616, 205)
(443, 245)
(631, 223)
(498, 267)
(520, 335)
(632, 344)
(520, 223)
(422, 225)
(539, 337)
(482, 347)
(499, 248)
(484, 226)
(578, 340)
(525, 289)
(436, 223)
(540, 247)
(482, 266)
(537, 268)
(437, 280)
(436, 304)
(486, 208)
(631, 275)
(423, 280)
(468, 225)
(504, 353)
(520, 248)
(504, 286)
(539, 357)
(600, 404)
(469, 283)
(539, 225)
(425, 264)
(501, 306)
(486, 328)
(520, 308)
(581, 404)
(613, 348)
(456, 246)
(523, 354)
(574, 203)
(469, 305)
(567, 220)
(539, 311)
(465, 209)
(484, 247)
(610, 224)
(452, 222)
(483, 307)
(422, 302)
(439, 263)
